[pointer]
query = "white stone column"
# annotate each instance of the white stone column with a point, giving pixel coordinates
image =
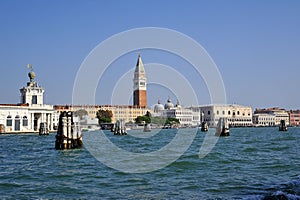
(50, 122)
(32, 121)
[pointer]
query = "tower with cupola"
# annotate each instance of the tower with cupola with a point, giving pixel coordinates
(32, 94)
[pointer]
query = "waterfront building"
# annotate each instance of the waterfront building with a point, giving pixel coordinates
(88, 123)
(186, 116)
(264, 119)
(237, 115)
(294, 116)
(30, 112)
(126, 113)
(139, 84)
(196, 117)
(280, 114)
(89, 110)
(87, 114)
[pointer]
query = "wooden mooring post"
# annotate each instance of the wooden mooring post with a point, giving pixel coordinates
(69, 133)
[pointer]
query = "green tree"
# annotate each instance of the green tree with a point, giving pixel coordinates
(172, 121)
(104, 116)
(148, 114)
(143, 119)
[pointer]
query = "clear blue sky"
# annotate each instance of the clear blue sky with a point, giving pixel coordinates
(255, 44)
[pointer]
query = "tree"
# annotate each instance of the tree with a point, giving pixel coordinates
(148, 114)
(142, 119)
(104, 116)
(172, 121)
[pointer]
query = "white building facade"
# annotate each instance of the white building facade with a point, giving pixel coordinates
(264, 116)
(186, 116)
(237, 115)
(30, 113)
(264, 119)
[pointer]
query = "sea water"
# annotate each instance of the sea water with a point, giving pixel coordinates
(252, 163)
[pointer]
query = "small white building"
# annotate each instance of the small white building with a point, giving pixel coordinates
(264, 119)
(30, 113)
(237, 115)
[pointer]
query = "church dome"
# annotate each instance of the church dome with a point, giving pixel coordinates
(158, 107)
(169, 104)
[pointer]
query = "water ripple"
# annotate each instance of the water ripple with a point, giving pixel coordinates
(253, 163)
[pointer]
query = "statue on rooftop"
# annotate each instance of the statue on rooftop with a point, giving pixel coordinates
(31, 74)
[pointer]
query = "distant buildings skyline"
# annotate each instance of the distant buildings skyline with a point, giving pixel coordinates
(255, 47)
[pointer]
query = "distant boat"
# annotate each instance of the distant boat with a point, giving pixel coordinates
(282, 126)
(204, 127)
(147, 128)
(222, 127)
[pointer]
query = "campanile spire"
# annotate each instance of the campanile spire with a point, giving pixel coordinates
(139, 84)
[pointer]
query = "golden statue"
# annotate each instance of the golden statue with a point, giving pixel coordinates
(31, 74)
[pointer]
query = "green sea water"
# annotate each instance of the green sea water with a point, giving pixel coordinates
(252, 163)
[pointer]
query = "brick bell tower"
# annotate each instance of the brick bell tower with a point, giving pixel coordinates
(139, 84)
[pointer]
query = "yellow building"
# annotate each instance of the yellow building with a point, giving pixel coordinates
(91, 110)
(120, 112)
(126, 113)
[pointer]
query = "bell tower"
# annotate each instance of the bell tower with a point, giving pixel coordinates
(32, 93)
(139, 84)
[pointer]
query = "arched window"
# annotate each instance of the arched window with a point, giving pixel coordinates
(217, 112)
(17, 123)
(228, 112)
(223, 112)
(238, 112)
(208, 112)
(8, 121)
(25, 121)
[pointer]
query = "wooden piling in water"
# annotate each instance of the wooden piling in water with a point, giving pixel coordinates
(68, 133)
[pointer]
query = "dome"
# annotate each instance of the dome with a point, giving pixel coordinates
(158, 107)
(169, 104)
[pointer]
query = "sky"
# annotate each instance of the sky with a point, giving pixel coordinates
(254, 44)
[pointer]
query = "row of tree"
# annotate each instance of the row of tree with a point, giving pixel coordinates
(105, 116)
